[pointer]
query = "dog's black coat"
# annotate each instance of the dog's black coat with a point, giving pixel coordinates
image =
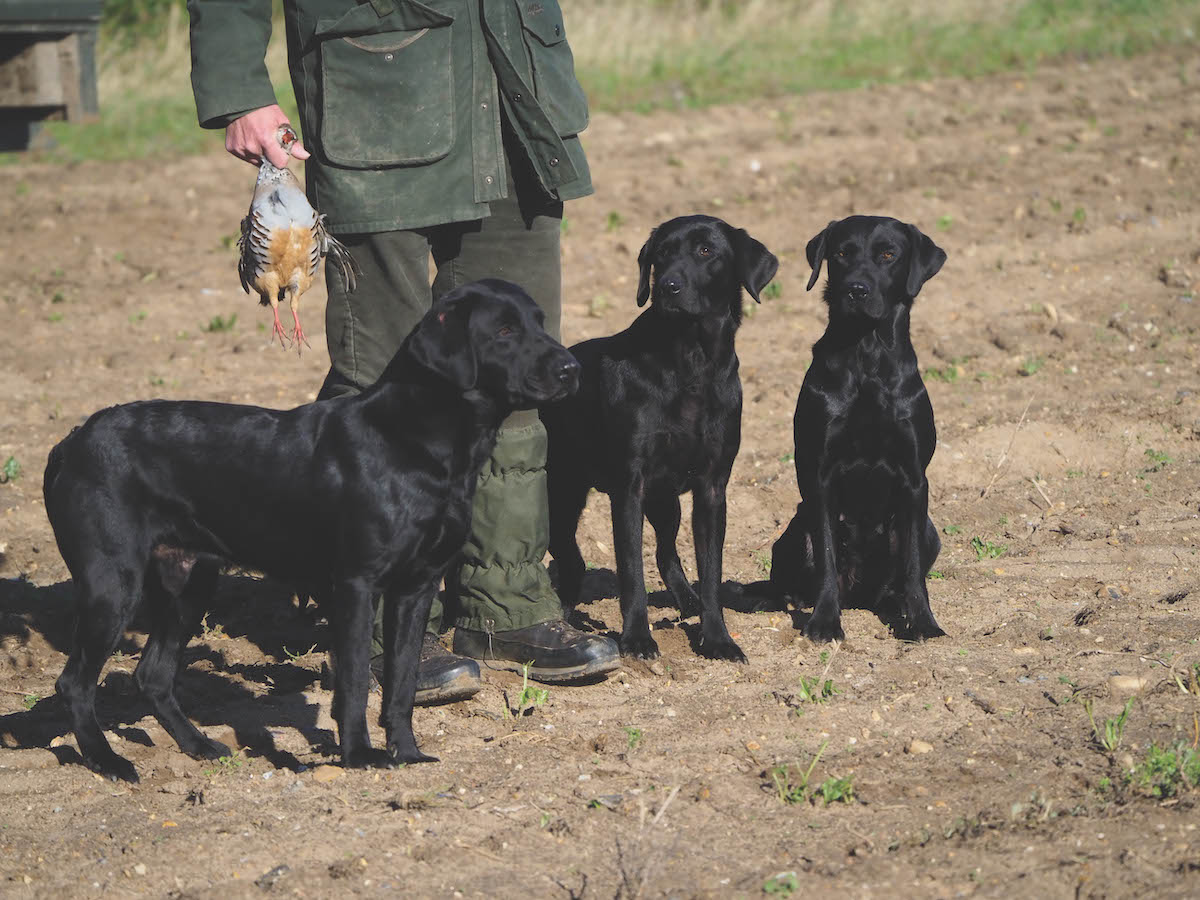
(346, 499)
(659, 413)
(864, 436)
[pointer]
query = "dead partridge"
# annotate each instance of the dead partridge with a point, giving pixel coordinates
(283, 240)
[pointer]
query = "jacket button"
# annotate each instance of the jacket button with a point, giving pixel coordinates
(557, 30)
(553, 161)
(518, 97)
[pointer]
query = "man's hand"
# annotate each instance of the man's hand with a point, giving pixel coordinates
(252, 137)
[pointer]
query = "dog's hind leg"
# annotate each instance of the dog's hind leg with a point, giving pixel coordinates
(662, 509)
(791, 561)
(708, 525)
(567, 499)
(931, 546)
(404, 615)
(175, 606)
(107, 596)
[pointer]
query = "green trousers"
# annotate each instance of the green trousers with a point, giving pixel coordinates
(501, 583)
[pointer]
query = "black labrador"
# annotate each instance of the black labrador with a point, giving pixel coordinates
(346, 499)
(658, 413)
(864, 436)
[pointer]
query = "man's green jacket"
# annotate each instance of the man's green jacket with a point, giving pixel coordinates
(400, 101)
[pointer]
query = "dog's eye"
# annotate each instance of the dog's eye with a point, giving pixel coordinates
(505, 331)
(886, 254)
(841, 254)
(704, 251)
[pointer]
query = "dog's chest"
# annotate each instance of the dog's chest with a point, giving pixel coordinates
(874, 433)
(693, 428)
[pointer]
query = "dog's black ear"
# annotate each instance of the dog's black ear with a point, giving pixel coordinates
(644, 265)
(925, 262)
(756, 264)
(442, 343)
(816, 254)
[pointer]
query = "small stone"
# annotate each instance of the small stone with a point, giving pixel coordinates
(139, 869)
(1121, 686)
(917, 746)
(326, 774)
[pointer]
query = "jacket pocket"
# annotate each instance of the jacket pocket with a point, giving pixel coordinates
(387, 87)
(554, 82)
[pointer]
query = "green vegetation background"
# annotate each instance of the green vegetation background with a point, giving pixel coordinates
(719, 51)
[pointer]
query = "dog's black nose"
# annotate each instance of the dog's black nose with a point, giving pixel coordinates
(857, 290)
(671, 286)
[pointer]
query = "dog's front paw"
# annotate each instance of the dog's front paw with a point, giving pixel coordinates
(924, 628)
(639, 646)
(115, 768)
(722, 648)
(822, 631)
(403, 755)
(368, 758)
(207, 749)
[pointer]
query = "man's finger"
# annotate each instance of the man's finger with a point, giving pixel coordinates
(298, 151)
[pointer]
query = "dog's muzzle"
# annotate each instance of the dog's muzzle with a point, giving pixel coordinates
(557, 378)
(865, 299)
(567, 373)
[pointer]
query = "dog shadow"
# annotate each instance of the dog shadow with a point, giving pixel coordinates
(217, 685)
(762, 598)
(603, 584)
(749, 597)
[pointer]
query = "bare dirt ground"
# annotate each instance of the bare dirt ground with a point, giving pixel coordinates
(1063, 335)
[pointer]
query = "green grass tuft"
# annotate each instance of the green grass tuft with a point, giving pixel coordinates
(1166, 771)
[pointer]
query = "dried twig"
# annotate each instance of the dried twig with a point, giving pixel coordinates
(636, 875)
(837, 645)
(1045, 496)
(1004, 456)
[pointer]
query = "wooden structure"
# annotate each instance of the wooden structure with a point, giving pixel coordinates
(47, 65)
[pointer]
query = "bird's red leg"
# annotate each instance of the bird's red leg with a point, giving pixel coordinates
(298, 335)
(278, 328)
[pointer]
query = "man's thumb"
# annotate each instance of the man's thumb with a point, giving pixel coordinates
(276, 155)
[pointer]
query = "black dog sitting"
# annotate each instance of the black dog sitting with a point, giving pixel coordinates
(658, 413)
(346, 499)
(864, 436)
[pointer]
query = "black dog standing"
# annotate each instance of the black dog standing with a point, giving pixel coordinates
(658, 413)
(346, 499)
(864, 436)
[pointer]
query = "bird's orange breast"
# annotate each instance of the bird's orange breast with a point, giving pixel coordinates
(290, 255)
